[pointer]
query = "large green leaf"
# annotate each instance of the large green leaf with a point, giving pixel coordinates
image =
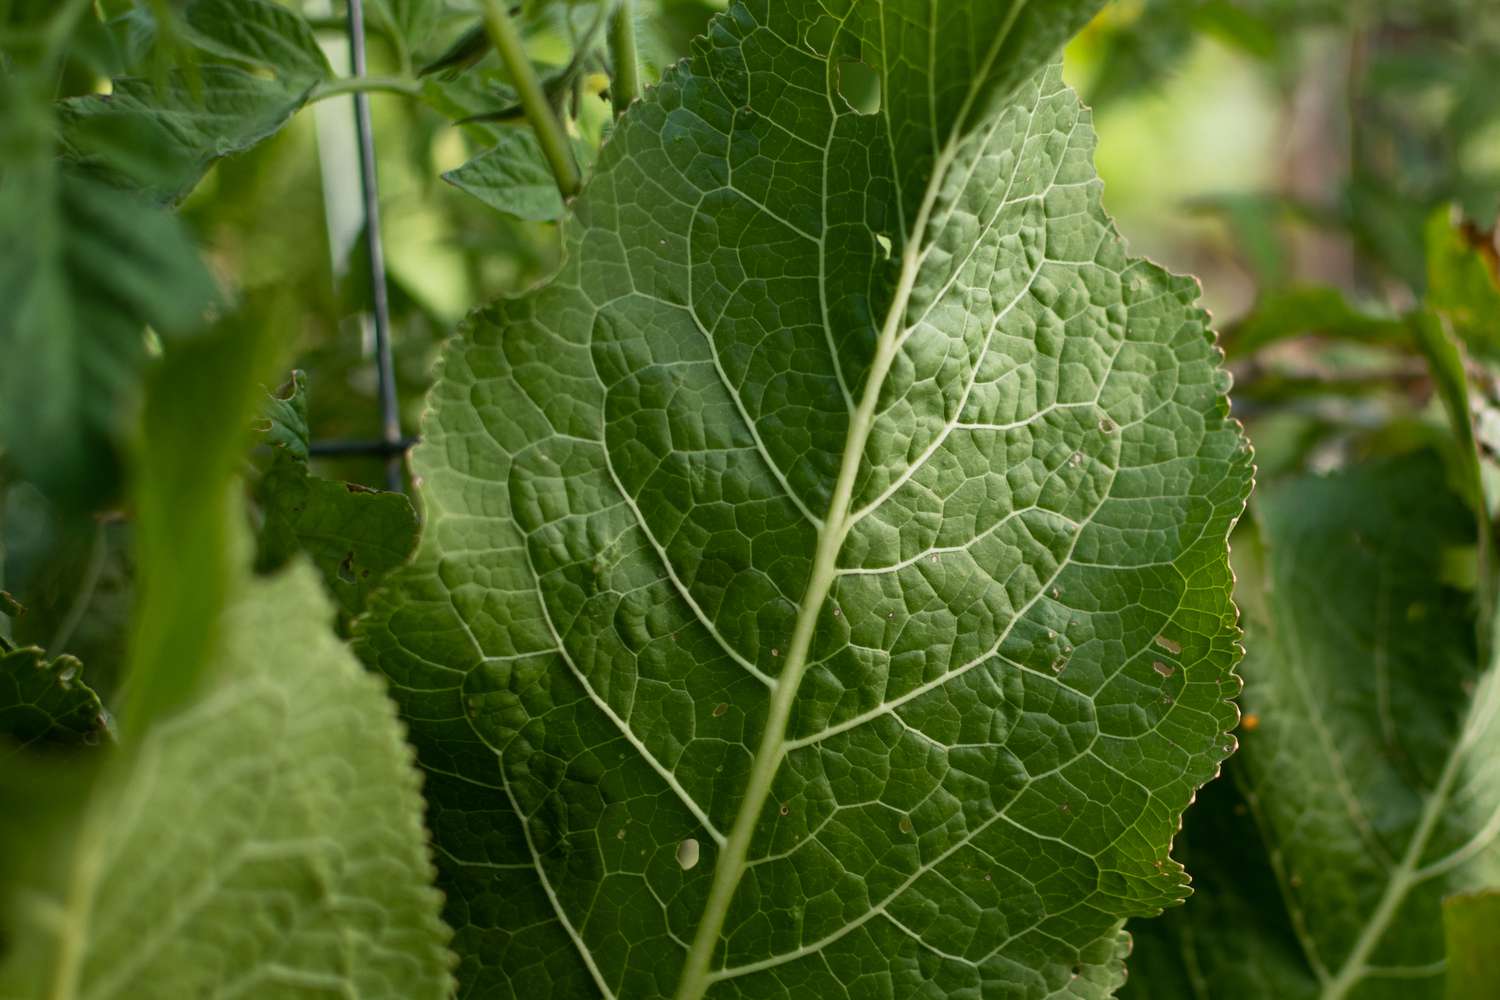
(824, 591)
(264, 842)
(1368, 764)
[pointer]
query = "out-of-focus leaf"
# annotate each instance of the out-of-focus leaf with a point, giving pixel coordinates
(1255, 223)
(45, 703)
(195, 433)
(266, 841)
(161, 139)
(1445, 360)
(86, 270)
(408, 22)
(354, 535)
(1367, 754)
(467, 49)
(1317, 309)
(1463, 282)
(260, 32)
(512, 176)
(1471, 928)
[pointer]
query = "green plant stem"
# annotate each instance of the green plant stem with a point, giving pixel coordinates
(625, 85)
(544, 121)
(364, 84)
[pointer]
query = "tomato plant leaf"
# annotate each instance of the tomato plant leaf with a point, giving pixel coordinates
(512, 176)
(824, 589)
(161, 138)
(46, 703)
(355, 536)
(98, 266)
(1367, 760)
(266, 840)
(261, 33)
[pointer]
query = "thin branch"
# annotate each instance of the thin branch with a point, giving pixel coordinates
(364, 84)
(544, 121)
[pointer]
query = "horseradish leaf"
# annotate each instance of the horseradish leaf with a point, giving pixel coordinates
(824, 586)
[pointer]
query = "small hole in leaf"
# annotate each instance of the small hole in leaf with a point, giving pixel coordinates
(688, 853)
(346, 568)
(859, 85)
(884, 242)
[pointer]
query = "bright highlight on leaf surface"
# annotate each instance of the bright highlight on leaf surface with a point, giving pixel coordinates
(852, 507)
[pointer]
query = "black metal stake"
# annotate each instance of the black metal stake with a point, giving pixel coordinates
(390, 413)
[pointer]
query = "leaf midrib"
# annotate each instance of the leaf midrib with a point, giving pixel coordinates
(730, 867)
(1409, 873)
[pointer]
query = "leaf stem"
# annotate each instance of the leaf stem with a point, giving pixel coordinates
(364, 84)
(544, 121)
(625, 84)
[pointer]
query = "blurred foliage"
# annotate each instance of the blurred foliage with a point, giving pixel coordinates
(1331, 170)
(234, 112)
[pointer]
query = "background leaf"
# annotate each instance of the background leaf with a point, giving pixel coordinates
(1366, 761)
(97, 268)
(512, 176)
(160, 139)
(354, 535)
(44, 703)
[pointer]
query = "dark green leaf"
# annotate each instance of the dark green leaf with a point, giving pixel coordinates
(286, 425)
(354, 535)
(824, 590)
(95, 266)
(44, 703)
